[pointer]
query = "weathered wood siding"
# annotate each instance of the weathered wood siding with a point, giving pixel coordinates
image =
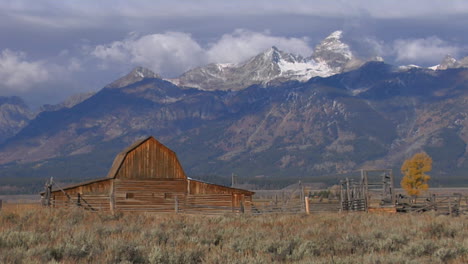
(148, 177)
(209, 203)
(156, 195)
(199, 187)
(210, 196)
(150, 160)
(93, 196)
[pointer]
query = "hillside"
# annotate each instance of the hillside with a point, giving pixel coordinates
(14, 115)
(375, 116)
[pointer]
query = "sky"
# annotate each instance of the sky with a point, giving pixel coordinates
(50, 50)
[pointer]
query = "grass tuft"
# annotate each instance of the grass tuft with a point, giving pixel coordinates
(75, 236)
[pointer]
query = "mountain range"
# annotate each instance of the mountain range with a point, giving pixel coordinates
(331, 56)
(275, 115)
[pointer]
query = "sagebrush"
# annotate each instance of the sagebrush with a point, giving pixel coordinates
(76, 236)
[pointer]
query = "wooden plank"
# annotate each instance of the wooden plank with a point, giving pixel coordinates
(150, 159)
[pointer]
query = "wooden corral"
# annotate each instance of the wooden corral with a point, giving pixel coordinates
(148, 177)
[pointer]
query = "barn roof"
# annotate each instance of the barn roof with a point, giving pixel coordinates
(120, 158)
(223, 186)
(70, 186)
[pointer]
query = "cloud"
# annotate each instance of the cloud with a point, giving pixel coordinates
(164, 53)
(173, 53)
(428, 50)
(243, 44)
(18, 74)
(69, 13)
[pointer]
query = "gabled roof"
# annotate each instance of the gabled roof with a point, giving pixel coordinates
(120, 158)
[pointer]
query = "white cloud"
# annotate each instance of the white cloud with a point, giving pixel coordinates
(375, 47)
(164, 53)
(173, 53)
(74, 65)
(243, 44)
(429, 50)
(18, 74)
(69, 13)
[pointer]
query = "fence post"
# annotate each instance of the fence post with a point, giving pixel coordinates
(307, 206)
(341, 197)
(348, 194)
(450, 205)
(365, 189)
(176, 204)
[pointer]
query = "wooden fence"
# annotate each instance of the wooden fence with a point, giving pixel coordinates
(453, 205)
(177, 206)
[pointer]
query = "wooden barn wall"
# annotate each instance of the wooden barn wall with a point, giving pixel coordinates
(151, 160)
(93, 196)
(198, 187)
(157, 195)
(214, 197)
(209, 203)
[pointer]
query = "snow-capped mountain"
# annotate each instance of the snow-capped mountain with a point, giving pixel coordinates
(333, 52)
(330, 57)
(370, 117)
(450, 62)
(137, 74)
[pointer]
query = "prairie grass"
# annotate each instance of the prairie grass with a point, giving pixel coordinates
(76, 236)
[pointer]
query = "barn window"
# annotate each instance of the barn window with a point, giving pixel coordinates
(129, 195)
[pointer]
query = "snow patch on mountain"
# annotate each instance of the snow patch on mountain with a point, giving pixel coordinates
(448, 62)
(330, 57)
(136, 75)
(408, 67)
(334, 44)
(304, 70)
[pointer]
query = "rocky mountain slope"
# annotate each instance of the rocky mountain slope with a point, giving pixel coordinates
(374, 116)
(14, 115)
(68, 103)
(450, 62)
(330, 57)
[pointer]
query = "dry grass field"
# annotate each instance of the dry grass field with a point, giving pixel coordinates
(32, 235)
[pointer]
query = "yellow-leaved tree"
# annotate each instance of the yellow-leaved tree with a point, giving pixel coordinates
(414, 170)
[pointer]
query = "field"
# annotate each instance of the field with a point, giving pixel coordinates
(29, 234)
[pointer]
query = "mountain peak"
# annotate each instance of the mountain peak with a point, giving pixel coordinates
(449, 59)
(13, 100)
(273, 54)
(450, 62)
(338, 34)
(274, 48)
(330, 57)
(137, 74)
(143, 73)
(333, 51)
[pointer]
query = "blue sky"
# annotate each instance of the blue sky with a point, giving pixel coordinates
(50, 50)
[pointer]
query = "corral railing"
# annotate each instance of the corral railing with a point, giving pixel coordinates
(184, 206)
(453, 205)
(291, 207)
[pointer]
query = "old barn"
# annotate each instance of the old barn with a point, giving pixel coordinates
(147, 176)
